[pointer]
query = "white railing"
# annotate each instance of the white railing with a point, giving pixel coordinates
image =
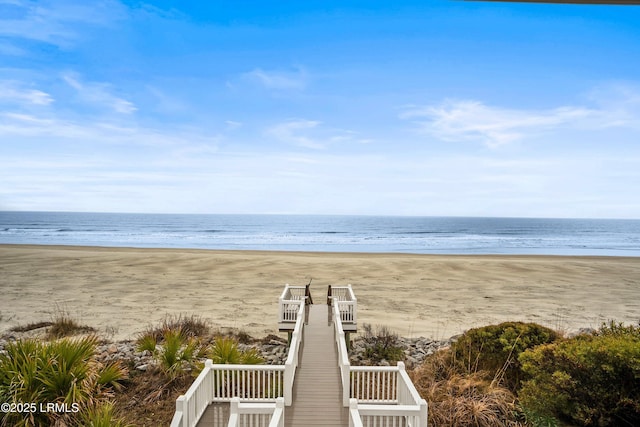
(387, 394)
(191, 405)
(221, 383)
(374, 384)
(348, 303)
(256, 414)
(343, 354)
(249, 383)
(377, 396)
(293, 358)
(289, 302)
(386, 415)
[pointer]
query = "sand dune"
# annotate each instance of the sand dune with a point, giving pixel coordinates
(119, 291)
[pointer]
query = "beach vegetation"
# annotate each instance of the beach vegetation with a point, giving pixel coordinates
(381, 344)
(588, 380)
(225, 351)
(189, 326)
(495, 349)
(31, 326)
(63, 324)
(458, 397)
(103, 414)
(62, 372)
(175, 353)
(147, 342)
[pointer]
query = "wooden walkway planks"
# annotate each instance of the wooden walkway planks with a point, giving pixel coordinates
(317, 392)
(216, 415)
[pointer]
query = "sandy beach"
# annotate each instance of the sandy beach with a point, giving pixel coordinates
(119, 291)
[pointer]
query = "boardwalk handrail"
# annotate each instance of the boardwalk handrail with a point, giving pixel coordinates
(348, 303)
(343, 354)
(250, 383)
(293, 358)
(385, 415)
(256, 414)
(288, 303)
(379, 395)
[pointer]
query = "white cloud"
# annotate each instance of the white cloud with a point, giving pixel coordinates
(293, 131)
(57, 22)
(15, 93)
(98, 131)
(99, 94)
(312, 134)
(279, 80)
(232, 124)
(472, 120)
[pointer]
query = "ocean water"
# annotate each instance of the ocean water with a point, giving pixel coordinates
(426, 235)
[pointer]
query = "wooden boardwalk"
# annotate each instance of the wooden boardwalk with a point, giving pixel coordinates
(216, 415)
(317, 392)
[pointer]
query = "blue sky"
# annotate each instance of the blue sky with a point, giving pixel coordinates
(382, 108)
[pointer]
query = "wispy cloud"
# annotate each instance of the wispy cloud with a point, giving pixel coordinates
(56, 22)
(99, 94)
(469, 120)
(472, 120)
(53, 128)
(296, 132)
(312, 134)
(14, 92)
(279, 80)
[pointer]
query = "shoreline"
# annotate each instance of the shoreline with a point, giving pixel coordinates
(119, 291)
(300, 252)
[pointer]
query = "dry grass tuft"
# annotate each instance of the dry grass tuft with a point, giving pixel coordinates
(462, 398)
(188, 326)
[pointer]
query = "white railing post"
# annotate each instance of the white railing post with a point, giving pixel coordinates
(288, 383)
(424, 413)
(354, 415)
(400, 385)
(354, 307)
(277, 419)
(234, 415)
(181, 411)
(343, 355)
(208, 383)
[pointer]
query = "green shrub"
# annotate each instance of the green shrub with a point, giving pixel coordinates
(147, 341)
(177, 354)
(589, 380)
(531, 418)
(102, 415)
(60, 372)
(495, 349)
(225, 351)
(381, 344)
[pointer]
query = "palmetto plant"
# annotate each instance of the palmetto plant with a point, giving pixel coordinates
(225, 351)
(173, 350)
(61, 372)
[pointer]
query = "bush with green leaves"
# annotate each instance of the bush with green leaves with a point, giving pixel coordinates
(225, 351)
(102, 415)
(381, 344)
(589, 380)
(175, 352)
(59, 372)
(495, 349)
